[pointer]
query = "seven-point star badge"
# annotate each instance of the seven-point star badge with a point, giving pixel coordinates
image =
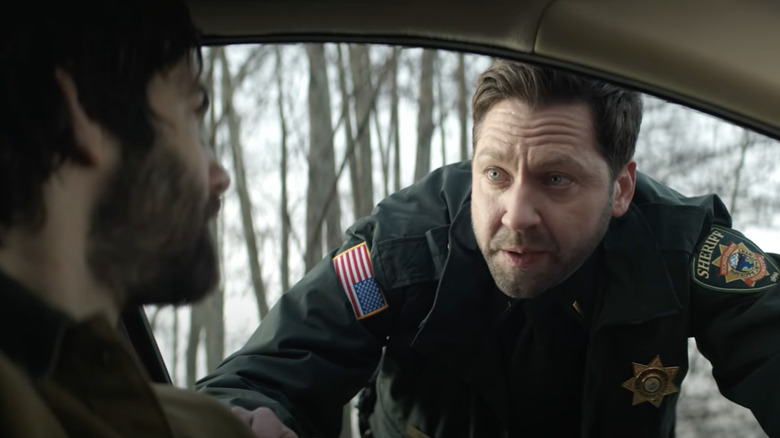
(651, 382)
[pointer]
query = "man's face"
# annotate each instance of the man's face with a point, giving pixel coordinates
(542, 195)
(150, 237)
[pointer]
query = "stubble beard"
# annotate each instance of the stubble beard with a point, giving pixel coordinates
(529, 283)
(150, 241)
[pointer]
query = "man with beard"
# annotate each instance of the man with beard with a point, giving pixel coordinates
(107, 190)
(545, 288)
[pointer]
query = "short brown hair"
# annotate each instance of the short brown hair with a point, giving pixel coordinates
(617, 112)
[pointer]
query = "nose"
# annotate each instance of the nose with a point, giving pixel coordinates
(219, 180)
(522, 208)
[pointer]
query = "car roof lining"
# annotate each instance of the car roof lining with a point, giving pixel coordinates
(685, 56)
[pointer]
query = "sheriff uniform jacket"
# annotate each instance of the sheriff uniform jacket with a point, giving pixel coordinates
(408, 287)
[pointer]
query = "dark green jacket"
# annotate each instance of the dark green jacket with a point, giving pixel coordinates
(441, 373)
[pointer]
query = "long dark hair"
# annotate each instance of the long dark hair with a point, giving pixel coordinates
(111, 49)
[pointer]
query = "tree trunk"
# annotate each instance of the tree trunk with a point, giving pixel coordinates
(331, 192)
(394, 121)
(425, 115)
(349, 135)
(463, 107)
(384, 154)
(233, 120)
(744, 145)
(197, 321)
(442, 112)
(285, 215)
(387, 149)
(322, 173)
(360, 67)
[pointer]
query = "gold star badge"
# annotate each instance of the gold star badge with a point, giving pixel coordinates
(651, 382)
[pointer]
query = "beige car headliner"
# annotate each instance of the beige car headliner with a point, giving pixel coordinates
(718, 55)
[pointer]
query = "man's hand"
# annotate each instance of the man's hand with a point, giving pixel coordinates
(264, 423)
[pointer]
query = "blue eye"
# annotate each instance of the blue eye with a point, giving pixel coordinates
(559, 180)
(494, 174)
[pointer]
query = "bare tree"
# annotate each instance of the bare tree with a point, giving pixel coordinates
(425, 115)
(744, 145)
(394, 121)
(349, 135)
(321, 160)
(283, 207)
(233, 119)
(321, 155)
(384, 154)
(332, 191)
(197, 318)
(441, 106)
(363, 184)
(463, 108)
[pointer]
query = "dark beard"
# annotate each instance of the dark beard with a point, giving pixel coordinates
(150, 240)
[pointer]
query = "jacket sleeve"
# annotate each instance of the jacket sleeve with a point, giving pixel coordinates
(311, 354)
(307, 359)
(735, 299)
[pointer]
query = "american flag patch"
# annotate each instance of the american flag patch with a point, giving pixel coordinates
(353, 268)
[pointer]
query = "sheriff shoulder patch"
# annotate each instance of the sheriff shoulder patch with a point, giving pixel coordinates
(727, 261)
(354, 271)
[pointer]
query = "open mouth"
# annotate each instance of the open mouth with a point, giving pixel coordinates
(518, 259)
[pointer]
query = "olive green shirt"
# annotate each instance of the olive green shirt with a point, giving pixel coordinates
(61, 378)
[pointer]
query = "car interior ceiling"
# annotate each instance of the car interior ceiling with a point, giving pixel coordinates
(681, 51)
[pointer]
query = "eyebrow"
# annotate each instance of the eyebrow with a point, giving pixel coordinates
(563, 160)
(488, 152)
(495, 154)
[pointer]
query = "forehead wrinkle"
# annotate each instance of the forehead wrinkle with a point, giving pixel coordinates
(530, 118)
(557, 138)
(496, 147)
(541, 126)
(503, 141)
(511, 127)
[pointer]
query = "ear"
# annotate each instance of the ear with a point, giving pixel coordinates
(88, 135)
(623, 192)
